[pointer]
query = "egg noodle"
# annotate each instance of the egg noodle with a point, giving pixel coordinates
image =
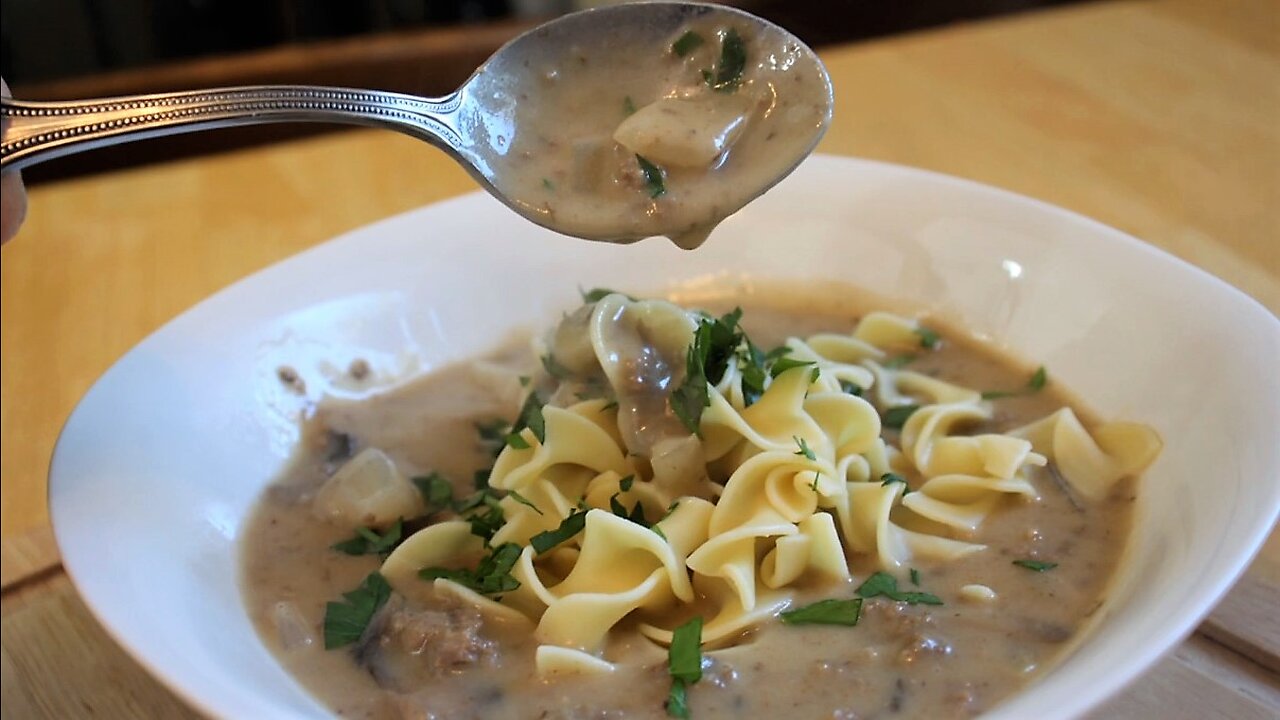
(790, 473)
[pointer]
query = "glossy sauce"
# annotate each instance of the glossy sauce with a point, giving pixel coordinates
(643, 136)
(954, 660)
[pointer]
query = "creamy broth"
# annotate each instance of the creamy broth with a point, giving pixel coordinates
(630, 136)
(446, 659)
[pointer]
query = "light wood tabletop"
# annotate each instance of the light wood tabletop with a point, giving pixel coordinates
(1160, 118)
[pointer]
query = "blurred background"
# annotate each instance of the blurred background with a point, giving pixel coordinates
(72, 49)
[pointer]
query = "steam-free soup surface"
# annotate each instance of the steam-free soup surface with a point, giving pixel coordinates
(447, 660)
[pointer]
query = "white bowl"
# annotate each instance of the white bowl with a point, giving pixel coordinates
(159, 464)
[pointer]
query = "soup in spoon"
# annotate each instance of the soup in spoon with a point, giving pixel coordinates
(659, 128)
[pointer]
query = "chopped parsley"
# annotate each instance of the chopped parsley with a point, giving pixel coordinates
(546, 183)
(523, 500)
(915, 577)
(489, 518)
(531, 417)
(437, 491)
(495, 430)
(687, 43)
(493, 434)
(778, 352)
(896, 417)
(684, 664)
(851, 388)
(491, 576)
(751, 363)
(724, 335)
(814, 485)
(684, 657)
(727, 75)
(1035, 384)
(517, 441)
(661, 534)
(825, 612)
(717, 342)
(882, 583)
(655, 180)
(482, 509)
(784, 364)
(616, 506)
(472, 501)
(345, 621)
(804, 450)
(635, 515)
(569, 527)
(367, 541)
(1036, 565)
(929, 339)
(677, 704)
(752, 385)
(628, 106)
(1039, 379)
(890, 478)
(692, 397)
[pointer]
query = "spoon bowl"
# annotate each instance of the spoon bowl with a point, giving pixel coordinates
(542, 113)
(535, 125)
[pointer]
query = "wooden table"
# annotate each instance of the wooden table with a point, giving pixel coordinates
(1159, 118)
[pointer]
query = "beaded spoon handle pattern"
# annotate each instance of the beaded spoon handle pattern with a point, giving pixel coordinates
(39, 131)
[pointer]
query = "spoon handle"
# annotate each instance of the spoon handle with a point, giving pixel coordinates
(39, 131)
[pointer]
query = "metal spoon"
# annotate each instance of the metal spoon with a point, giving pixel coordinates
(480, 125)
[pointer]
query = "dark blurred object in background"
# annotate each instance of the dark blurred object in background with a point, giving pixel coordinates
(74, 49)
(45, 40)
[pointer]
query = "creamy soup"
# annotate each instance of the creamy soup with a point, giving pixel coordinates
(632, 134)
(877, 517)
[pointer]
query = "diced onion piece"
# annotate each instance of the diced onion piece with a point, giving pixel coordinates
(685, 132)
(291, 628)
(368, 491)
(978, 593)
